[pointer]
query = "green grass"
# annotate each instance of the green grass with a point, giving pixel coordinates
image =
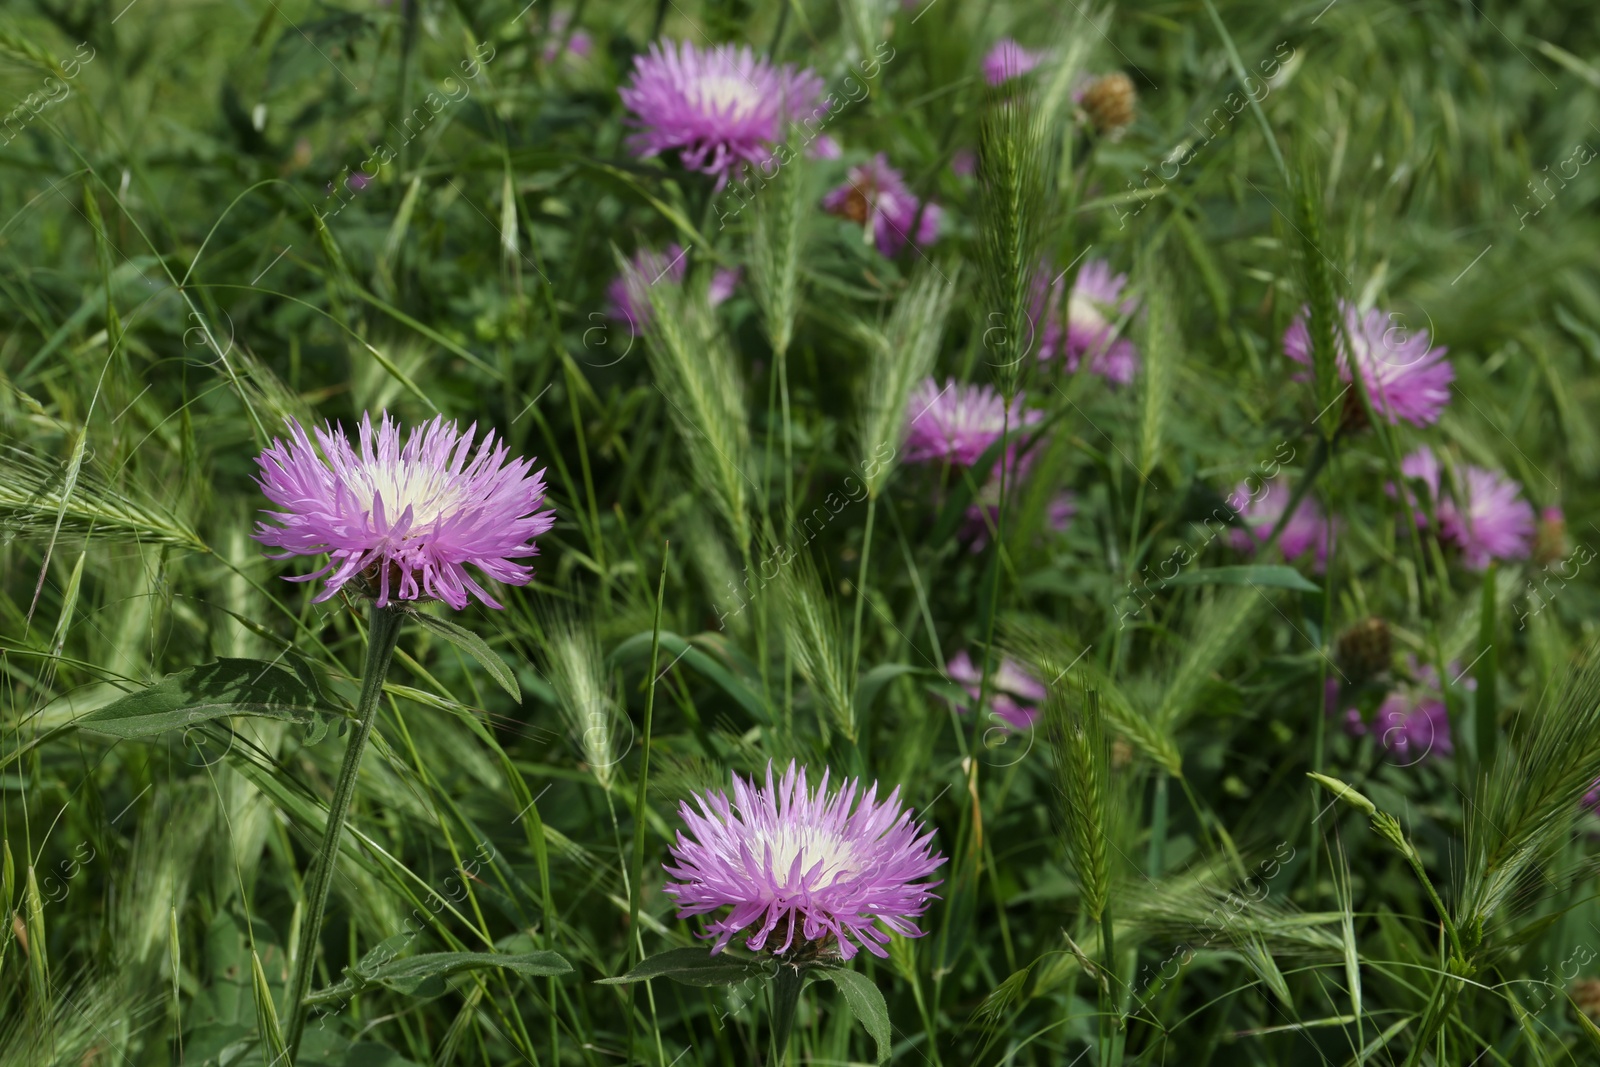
(177, 276)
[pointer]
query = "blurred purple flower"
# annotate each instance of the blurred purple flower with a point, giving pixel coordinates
(874, 195)
(1014, 694)
(1484, 514)
(1412, 729)
(824, 147)
(1405, 378)
(579, 44)
(1093, 308)
(633, 307)
(958, 423)
(1306, 529)
(1007, 60)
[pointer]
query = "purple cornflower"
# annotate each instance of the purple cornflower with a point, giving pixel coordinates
(811, 867)
(1007, 60)
(720, 108)
(1090, 329)
(957, 423)
(1260, 512)
(1484, 513)
(1405, 378)
(875, 196)
(413, 514)
(1014, 694)
(633, 307)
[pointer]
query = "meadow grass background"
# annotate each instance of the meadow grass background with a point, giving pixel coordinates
(186, 262)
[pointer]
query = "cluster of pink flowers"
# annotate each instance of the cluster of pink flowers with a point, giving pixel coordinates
(831, 870)
(629, 304)
(1087, 327)
(1483, 513)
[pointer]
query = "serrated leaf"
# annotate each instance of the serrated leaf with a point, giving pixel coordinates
(866, 1003)
(474, 646)
(692, 966)
(216, 690)
(1271, 575)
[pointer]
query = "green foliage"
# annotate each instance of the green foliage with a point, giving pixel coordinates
(188, 257)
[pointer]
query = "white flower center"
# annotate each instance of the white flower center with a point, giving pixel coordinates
(428, 491)
(726, 95)
(838, 857)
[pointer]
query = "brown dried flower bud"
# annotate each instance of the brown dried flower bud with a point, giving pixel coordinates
(1365, 649)
(1111, 102)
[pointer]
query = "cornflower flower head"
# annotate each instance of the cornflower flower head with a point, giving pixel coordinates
(874, 195)
(721, 108)
(633, 307)
(957, 423)
(1406, 378)
(412, 516)
(1306, 530)
(1483, 514)
(1089, 327)
(1007, 60)
(826, 871)
(1014, 694)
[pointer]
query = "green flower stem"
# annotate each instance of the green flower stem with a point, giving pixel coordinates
(383, 633)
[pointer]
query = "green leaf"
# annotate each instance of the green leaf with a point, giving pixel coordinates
(678, 649)
(266, 1012)
(215, 691)
(866, 1003)
(873, 682)
(692, 966)
(474, 646)
(1272, 575)
(424, 975)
